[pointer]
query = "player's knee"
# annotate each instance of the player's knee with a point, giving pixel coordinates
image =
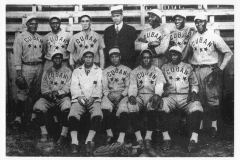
(73, 123)
(122, 109)
(66, 105)
(97, 112)
(195, 106)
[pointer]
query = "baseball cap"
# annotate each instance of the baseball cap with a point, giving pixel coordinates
(179, 15)
(157, 12)
(201, 17)
(146, 50)
(55, 16)
(30, 18)
(88, 52)
(114, 50)
(56, 52)
(117, 9)
(85, 15)
(176, 48)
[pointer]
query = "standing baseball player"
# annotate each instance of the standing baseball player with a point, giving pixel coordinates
(86, 90)
(180, 93)
(122, 36)
(86, 40)
(146, 87)
(28, 59)
(206, 47)
(115, 90)
(54, 41)
(181, 34)
(155, 38)
(55, 88)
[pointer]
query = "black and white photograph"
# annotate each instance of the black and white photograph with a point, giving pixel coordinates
(144, 79)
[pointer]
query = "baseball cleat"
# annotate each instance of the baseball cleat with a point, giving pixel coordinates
(89, 148)
(108, 140)
(166, 145)
(213, 132)
(74, 148)
(150, 150)
(61, 140)
(44, 138)
(192, 146)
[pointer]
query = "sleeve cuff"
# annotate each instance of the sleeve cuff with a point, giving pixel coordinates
(61, 92)
(144, 46)
(18, 67)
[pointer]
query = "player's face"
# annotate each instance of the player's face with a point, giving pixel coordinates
(86, 23)
(153, 19)
(32, 26)
(57, 60)
(179, 22)
(201, 25)
(175, 57)
(117, 18)
(115, 59)
(146, 60)
(55, 24)
(88, 59)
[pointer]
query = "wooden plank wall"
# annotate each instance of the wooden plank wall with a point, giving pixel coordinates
(220, 19)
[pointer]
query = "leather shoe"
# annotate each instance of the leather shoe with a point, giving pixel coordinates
(150, 150)
(61, 140)
(44, 138)
(213, 132)
(108, 140)
(74, 148)
(89, 148)
(166, 145)
(192, 146)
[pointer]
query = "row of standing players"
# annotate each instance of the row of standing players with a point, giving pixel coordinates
(129, 91)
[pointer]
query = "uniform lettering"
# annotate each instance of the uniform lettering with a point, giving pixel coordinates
(209, 44)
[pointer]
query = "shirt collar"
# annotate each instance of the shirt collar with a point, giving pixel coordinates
(119, 26)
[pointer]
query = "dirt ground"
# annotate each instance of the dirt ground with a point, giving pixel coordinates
(26, 143)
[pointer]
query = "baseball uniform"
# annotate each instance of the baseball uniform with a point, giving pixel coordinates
(87, 86)
(81, 42)
(206, 48)
(143, 85)
(181, 79)
(55, 80)
(180, 37)
(56, 42)
(116, 80)
(160, 34)
(27, 50)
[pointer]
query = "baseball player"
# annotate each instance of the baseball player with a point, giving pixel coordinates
(122, 36)
(146, 87)
(86, 90)
(85, 40)
(181, 79)
(155, 38)
(27, 50)
(115, 90)
(56, 40)
(206, 47)
(181, 34)
(55, 88)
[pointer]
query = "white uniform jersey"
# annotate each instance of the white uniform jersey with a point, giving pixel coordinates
(206, 47)
(180, 78)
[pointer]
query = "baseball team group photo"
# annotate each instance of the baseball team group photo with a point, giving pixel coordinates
(111, 80)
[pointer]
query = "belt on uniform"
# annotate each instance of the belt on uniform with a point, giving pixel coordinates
(204, 65)
(31, 63)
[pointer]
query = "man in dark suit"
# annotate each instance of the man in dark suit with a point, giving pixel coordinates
(122, 36)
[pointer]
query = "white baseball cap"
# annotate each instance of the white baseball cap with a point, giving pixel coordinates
(114, 50)
(176, 48)
(146, 50)
(56, 52)
(157, 12)
(117, 9)
(201, 17)
(88, 51)
(179, 15)
(55, 16)
(30, 18)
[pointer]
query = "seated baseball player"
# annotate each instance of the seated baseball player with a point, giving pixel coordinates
(86, 90)
(181, 93)
(115, 89)
(55, 88)
(146, 87)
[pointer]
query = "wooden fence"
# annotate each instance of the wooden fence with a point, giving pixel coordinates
(220, 19)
